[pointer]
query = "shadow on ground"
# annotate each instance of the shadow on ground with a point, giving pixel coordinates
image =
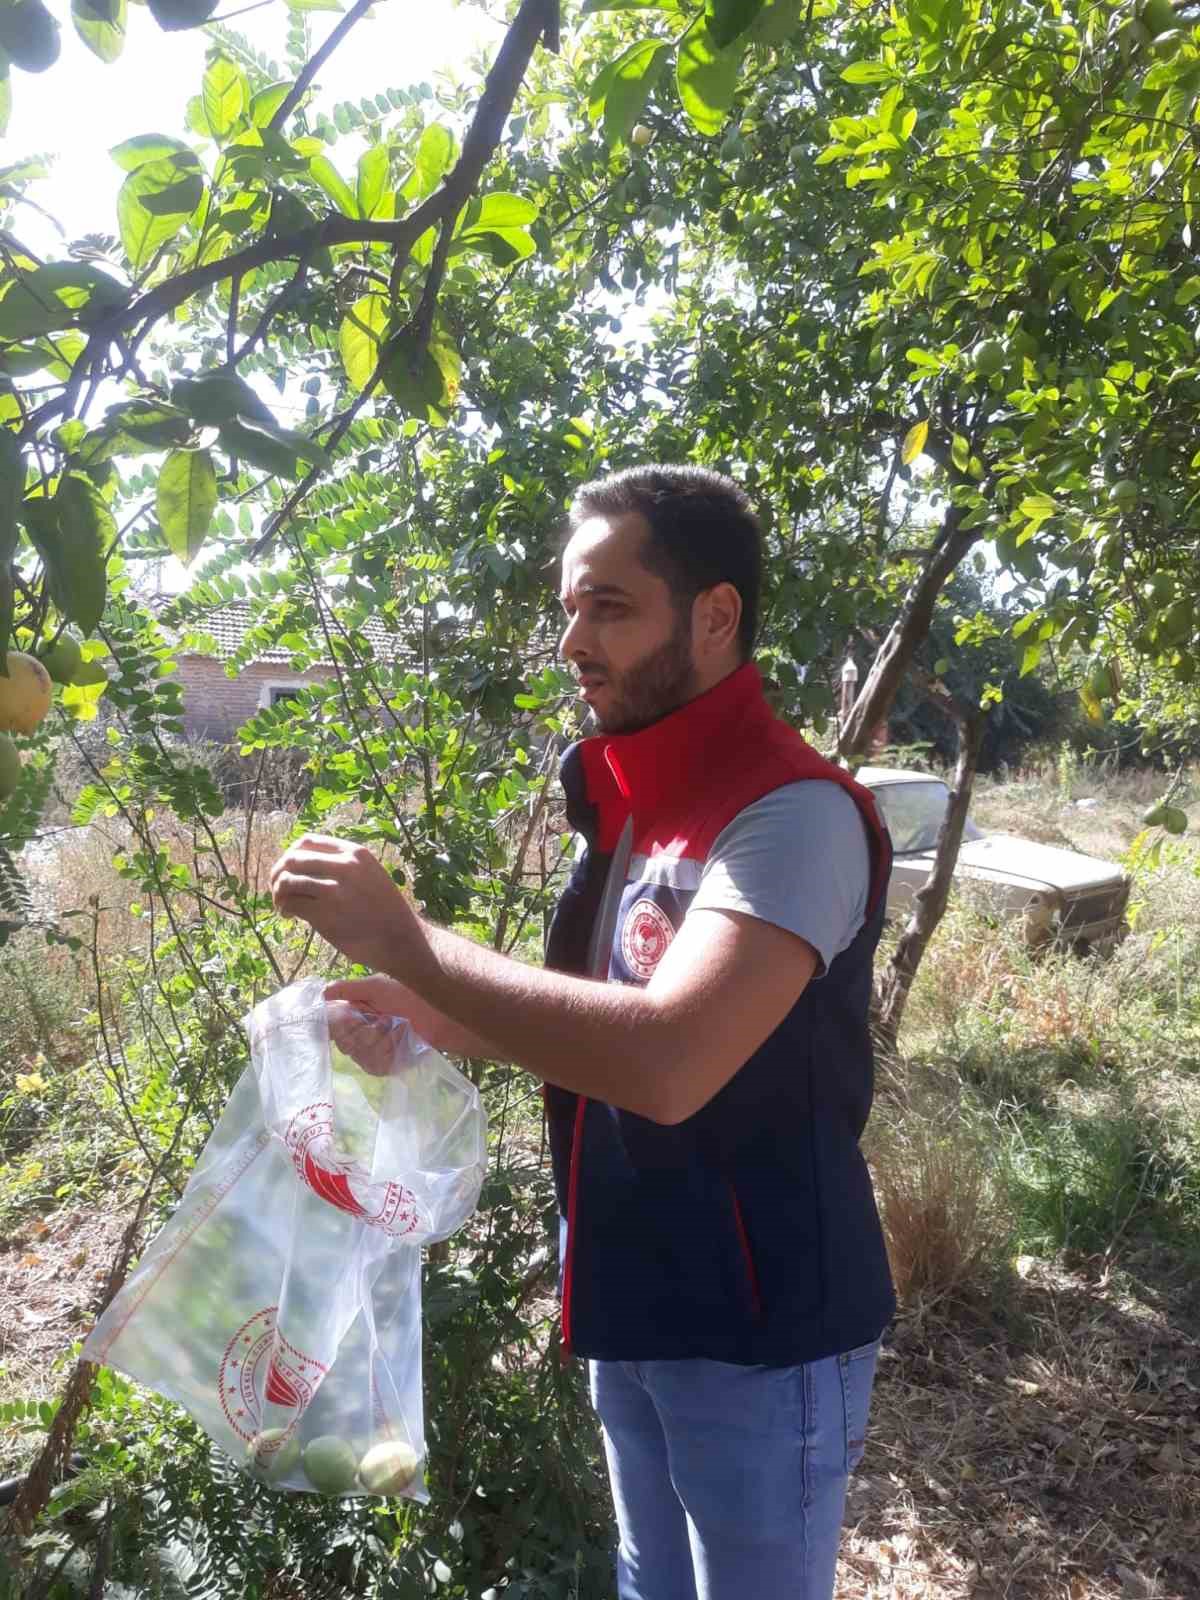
(1046, 1450)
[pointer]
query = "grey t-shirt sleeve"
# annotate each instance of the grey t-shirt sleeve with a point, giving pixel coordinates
(797, 858)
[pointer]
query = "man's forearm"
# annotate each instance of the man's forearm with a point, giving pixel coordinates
(607, 1041)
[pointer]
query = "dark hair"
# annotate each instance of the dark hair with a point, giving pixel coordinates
(703, 531)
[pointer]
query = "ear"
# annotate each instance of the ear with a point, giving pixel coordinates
(716, 616)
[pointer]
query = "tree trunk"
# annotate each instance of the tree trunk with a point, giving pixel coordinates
(929, 904)
(905, 637)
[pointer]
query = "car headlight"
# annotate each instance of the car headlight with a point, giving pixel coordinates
(1042, 912)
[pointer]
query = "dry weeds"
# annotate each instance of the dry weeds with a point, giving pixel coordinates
(1051, 1455)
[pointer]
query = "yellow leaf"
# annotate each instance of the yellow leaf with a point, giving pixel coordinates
(914, 442)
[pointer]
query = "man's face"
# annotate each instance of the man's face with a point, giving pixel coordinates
(627, 642)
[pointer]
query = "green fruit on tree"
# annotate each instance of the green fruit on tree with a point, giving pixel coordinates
(1103, 681)
(1178, 621)
(330, 1464)
(388, 1468)
(1153, 816)
(1159, 588)
(64, 658)
(25, 694)
(28, 35)
(641, 135)
(798, 156)
(658, 217)
(1125, 492)
(989, 357)
(1174, 820)
(1157, 16)
(10, 767)
(273, 1453)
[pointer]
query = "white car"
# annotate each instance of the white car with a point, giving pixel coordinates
(1060, 894)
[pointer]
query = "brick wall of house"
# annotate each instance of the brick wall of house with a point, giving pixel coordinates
(215, 705)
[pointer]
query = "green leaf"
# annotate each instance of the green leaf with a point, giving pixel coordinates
(75, 560)
(217, 397)
(314, 5)
(185, 501)
(144, 148)
(1187, 291)
(501, 245)
(427, 388)
(960, 452)
(259, 449)
(55, 296)
(1030, 657)
(175, 15)
(434, 158)
(707, 78)
(267, 102)
(101, 26)
(28, 35)
(598, 93)
(374, 171)
(225, 95)
(5, 97)
(726, 19)
(866, 72)
(498, 210)
(323, 172)
(914, 442)
(155, 202)
(633, 76)
(134, 427)
(362, 332)
(777, 21)
(297, 444)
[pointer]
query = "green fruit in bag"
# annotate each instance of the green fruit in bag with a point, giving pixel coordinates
(330, 1464)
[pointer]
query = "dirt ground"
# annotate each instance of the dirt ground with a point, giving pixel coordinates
(52, 1272)
(1048, 1453)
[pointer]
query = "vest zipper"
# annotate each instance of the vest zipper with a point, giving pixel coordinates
(572, 1206)
(747, 1254)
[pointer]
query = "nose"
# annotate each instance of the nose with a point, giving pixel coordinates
(571, 644)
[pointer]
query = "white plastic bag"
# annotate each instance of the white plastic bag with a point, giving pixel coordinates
(281, 1304)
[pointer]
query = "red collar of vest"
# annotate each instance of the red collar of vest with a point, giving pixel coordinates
(647, 772)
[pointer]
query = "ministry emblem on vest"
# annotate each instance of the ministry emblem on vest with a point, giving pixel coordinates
(645, 937)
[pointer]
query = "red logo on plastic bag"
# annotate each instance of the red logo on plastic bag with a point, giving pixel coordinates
(259, 1362)
(345, 1184)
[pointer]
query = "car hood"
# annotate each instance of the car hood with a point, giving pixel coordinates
(1003, 857)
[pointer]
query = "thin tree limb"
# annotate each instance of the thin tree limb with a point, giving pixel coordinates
(316, 61)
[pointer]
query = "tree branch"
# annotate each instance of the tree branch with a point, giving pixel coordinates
(499, 92)
(907, 632)
(316, 61)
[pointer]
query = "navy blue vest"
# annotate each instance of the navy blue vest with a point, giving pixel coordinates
(747, 1233)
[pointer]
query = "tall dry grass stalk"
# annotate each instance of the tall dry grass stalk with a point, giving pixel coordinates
(945, 1228)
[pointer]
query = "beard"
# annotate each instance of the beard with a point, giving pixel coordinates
(653, 687)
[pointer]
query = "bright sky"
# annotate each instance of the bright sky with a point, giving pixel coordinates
(80, 108)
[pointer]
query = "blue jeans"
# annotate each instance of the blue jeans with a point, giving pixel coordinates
(730, 1482)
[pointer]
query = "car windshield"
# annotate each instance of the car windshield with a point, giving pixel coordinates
(913, 813)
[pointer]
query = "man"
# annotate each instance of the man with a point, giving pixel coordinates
(702, 1034)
